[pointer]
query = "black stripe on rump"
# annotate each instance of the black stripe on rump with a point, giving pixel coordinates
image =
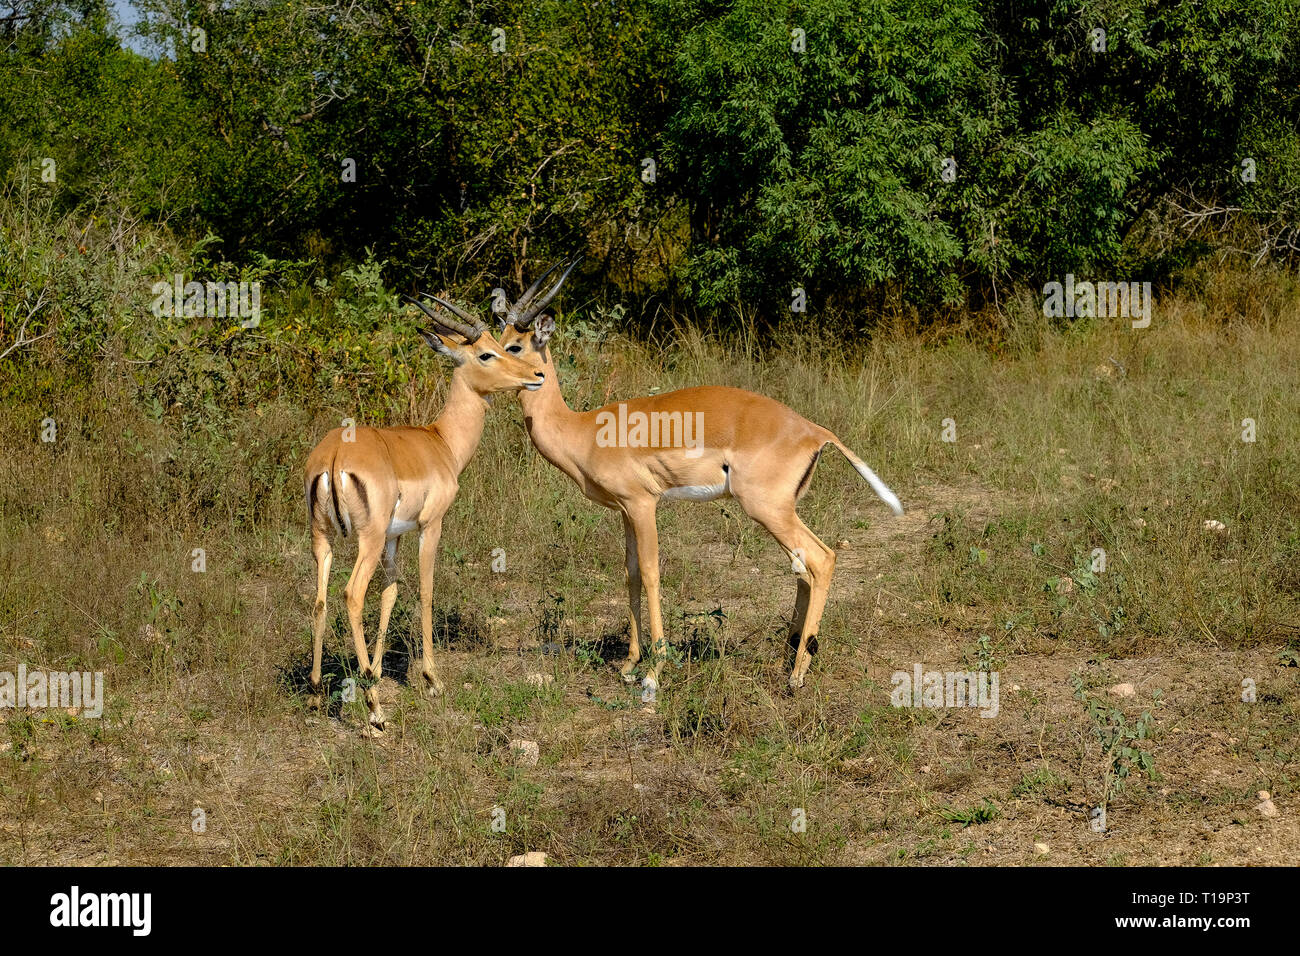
(311, 498)
(807, 475)
(361, 490)
(334, 497)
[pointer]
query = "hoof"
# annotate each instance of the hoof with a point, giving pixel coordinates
(649, 687)
(314, 702)
(796, 681)
(433, 688)
(373, 731)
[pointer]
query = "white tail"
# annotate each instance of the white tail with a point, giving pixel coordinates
(878, 486)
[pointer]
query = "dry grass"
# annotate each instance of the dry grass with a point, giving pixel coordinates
(1065, 439)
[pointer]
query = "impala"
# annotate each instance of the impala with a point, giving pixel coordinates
(376, 484)
(696, 444)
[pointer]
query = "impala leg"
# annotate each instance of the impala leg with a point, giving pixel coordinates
(817, 561)
(802, 595)
(429, 536)
(324, 555)
(647, 555)
(634, 601)
(386, 601)
(369, 550)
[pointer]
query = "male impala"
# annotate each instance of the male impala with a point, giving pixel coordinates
(376, 484)
(697, 444)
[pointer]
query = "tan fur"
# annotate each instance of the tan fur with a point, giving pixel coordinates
(389, 480)
(761, 451)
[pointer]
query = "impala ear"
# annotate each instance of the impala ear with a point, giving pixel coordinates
(542, 330)
(439, 344)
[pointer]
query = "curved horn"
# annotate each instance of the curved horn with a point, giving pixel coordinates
(526, 320)
(527, 297)
(470, 332)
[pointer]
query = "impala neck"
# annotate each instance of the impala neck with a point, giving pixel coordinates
(545, 416)
(460, 425)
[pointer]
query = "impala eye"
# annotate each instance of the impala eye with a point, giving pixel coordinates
(514, 348)
(485, 356)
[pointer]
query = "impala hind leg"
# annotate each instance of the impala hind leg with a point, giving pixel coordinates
(429, 536)
(369, 550)
(803, 593)
(386, 601)
(633, 565)
(324, 555)
(387, 598)
(815, 564)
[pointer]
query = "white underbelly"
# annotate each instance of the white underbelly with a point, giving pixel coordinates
(399, 526)
(696, 492)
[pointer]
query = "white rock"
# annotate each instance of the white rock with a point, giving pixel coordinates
(526, 752)
(1123, 690)
(1265, 806)
(532, 858)
(1218, 527)
(1042, 849)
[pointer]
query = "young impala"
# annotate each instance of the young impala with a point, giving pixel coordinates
(697, 444)
(376, 484)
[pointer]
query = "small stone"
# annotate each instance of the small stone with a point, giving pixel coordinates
(539, 680)
(1265, 806)
(526, 752)
(531, 858)
(1042, 849)
(842, 544)
(1138, 523)
(1123, 690)
(1218, 527)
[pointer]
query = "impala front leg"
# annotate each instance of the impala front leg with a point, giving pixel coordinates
(633, 600)
(429, 536)
(647, 553)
